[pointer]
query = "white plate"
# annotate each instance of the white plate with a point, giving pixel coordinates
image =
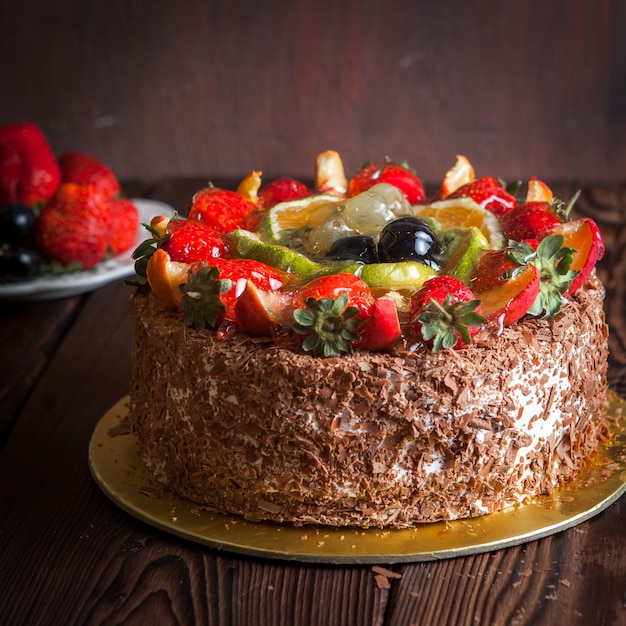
(71, 284)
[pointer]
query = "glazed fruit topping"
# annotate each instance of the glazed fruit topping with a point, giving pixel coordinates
(407, 239)
(362, 264)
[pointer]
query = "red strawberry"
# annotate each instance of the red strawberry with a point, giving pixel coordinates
(381, 330)
(329, 312)
(505, 299)
(84, 169)
(240, 271)
(585, 238)
(531, 220)
(222, 209)
(488, 193)
(400, 176)
(281, 190)
(29, 172)
(332, 286)
(190, 241)
(124, 225)
(445, 313)
(74, 226)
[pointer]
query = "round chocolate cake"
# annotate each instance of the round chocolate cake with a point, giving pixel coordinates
(369, 439)
(356, 354)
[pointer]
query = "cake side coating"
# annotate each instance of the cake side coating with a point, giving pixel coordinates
(247, 427)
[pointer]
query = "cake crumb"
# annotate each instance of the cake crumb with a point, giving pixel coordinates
(565, 582)
(387, 573)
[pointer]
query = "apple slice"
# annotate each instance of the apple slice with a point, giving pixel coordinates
(585, 238)
(381, 330)
(258, 312)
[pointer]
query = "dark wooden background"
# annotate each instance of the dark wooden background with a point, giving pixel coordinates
(216, 88)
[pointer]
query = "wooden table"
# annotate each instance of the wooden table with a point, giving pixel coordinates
(68, 555)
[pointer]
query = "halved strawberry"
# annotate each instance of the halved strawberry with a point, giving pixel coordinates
(381, 330)
(489, 193)
(221, 209)
(240, 271)
(446, 313)
(400, 176)
(586, 240)
(505, 296)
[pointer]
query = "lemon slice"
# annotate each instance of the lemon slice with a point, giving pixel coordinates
(283, 219)
(464, 213)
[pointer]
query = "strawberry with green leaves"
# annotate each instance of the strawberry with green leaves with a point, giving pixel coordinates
(74, 227)
(29, 171)
(489, 193)
(83, 168)
(400, 176)
(329, 311)
(553, 262)
(446, 313)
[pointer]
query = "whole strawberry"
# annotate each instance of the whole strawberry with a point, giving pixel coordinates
(29, 171)
(329, 312)
(84, 169)
(124, 225)
(221, 209)
(489, 193)
(445, 313)
(187, 241)
(74, 226)
(281, 190)
(401, 176)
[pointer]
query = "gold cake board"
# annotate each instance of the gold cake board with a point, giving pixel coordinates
(117, 468)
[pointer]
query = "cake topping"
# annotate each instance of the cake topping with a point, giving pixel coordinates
(276, 243)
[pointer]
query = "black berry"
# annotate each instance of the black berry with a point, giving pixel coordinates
(407, 239)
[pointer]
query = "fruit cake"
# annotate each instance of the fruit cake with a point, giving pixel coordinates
(358, 353)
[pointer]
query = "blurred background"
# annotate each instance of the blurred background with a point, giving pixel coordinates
(216, 88)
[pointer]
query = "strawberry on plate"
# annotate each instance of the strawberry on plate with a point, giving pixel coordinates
(400, 176)
(29, 171)
(124, 224)
(74, 227)
(83, 168)
(222, 209)
(489, 193)
(328, 312)
(446, 313)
